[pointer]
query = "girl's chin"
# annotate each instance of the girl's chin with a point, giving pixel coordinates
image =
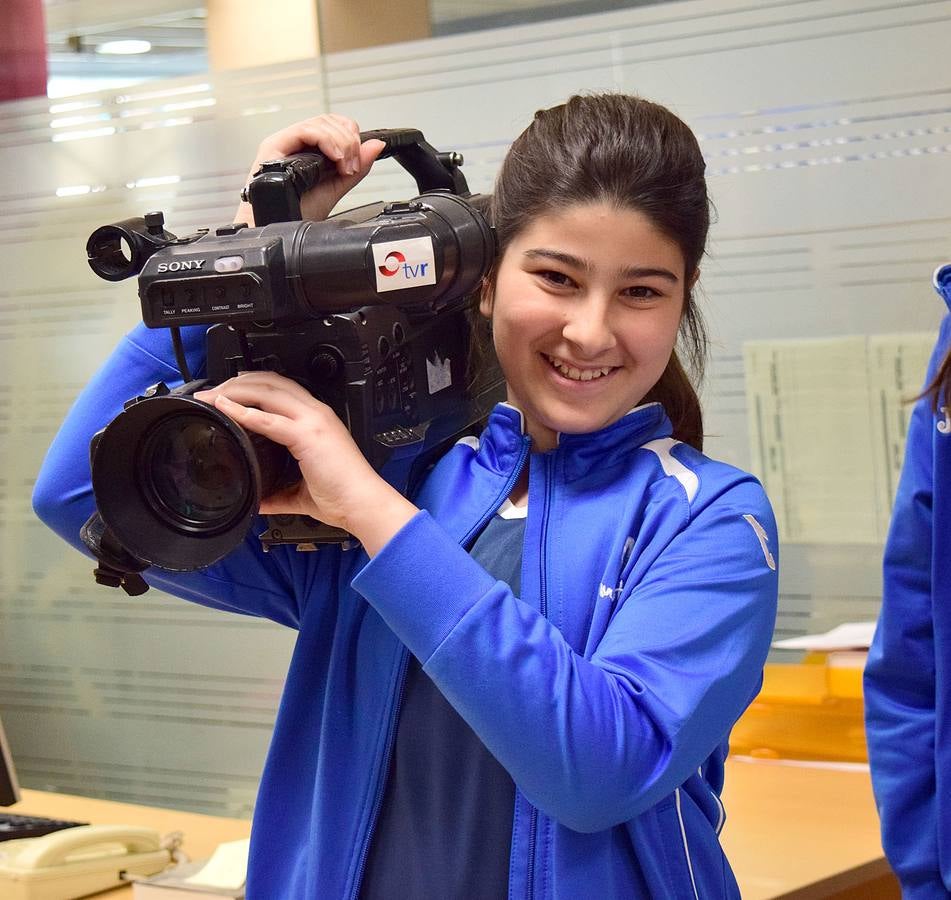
(574, 423)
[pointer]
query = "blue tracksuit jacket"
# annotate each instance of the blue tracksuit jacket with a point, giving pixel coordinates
(907, 697)
(607, 690)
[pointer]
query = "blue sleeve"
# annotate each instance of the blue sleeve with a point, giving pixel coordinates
(900, 673)
(271, 585)
(594, 741)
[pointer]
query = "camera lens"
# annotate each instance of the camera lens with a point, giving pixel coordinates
(178, 483)
(196, 476)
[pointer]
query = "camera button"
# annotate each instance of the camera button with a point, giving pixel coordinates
(402, 206)
(224, 230)
(229, 264)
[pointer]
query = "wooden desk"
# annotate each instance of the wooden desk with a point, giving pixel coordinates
(798, 831)
(201, 833)
(795, 831)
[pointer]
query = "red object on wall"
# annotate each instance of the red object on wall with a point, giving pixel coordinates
(22, 49)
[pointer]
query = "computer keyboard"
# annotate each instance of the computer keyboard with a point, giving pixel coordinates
(14, 827)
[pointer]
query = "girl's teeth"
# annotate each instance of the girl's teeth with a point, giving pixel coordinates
(577, 374)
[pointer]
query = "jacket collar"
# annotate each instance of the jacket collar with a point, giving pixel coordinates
(504, 437)
(942, 282)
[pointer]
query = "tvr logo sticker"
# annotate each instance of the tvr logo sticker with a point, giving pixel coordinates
(404, 264)
(391, 265)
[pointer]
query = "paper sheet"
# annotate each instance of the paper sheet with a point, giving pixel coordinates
(827, 420)
(227, 869)
(848, 636)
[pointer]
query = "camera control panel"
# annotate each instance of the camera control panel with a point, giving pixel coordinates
(203, 300)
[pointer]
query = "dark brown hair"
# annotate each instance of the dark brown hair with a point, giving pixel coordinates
(940, 387)
(634, 154)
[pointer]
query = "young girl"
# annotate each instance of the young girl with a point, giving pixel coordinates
(522, 684)
(906, 696)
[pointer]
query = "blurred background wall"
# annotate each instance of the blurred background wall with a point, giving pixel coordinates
(827, 132)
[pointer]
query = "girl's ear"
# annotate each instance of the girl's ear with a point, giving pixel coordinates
(487, 298)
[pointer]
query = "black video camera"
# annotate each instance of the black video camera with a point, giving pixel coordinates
(367, 310)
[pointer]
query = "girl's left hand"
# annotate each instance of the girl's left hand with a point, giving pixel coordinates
(339, 486)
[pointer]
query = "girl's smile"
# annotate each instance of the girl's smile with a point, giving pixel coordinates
(585, 311)
(580, 372)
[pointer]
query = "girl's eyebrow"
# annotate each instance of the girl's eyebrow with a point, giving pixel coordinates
(585, 266)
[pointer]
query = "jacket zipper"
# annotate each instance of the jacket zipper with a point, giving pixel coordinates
(543, 581)
(506, 490)
(381, 781)
(543, 609)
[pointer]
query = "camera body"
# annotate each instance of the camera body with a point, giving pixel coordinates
(367, 310)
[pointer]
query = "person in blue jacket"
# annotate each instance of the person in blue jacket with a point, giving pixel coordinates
(521, 682)
(907, 704)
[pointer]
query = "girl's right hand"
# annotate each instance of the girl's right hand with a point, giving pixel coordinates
(338, 138)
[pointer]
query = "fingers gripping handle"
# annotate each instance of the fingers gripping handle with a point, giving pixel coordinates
(276, 188)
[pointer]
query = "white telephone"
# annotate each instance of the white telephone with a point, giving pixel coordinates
(76, 862)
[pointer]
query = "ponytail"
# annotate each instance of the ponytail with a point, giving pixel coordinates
(676, 393)
(940, 385)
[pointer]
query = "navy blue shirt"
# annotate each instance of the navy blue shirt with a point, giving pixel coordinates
(445, 827)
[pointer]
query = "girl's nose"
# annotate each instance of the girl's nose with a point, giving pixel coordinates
(589, 329)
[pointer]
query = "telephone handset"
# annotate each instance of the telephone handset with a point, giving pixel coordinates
(76, 862)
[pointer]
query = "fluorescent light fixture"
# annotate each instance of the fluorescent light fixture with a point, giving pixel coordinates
(167, 123)
(73, 106)
(77, 190)
(168, 92)
(79, 135)
(154, 182)
(260, 110)
(124, 48)
(189, 104)
(66, 86)
(71, 121)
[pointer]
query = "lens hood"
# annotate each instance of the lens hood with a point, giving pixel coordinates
(177, 482)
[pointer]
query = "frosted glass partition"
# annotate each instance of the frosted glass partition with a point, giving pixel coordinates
(826, 127)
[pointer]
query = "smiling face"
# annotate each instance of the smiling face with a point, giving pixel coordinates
(585, 310)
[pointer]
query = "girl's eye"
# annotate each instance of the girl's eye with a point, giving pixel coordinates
(558, 279)
(641, 292)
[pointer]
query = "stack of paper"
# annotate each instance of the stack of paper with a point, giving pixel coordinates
(221, 876)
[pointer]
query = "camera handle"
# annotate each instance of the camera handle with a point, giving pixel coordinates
(275, 190)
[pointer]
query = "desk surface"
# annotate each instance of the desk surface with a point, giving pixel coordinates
(793, 830)
(803, 830)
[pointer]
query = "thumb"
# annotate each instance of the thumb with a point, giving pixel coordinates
(369, 152)
(291, 500)
(317, 203)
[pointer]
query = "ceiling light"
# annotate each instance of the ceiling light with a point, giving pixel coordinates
(124, 47)
(73, 190)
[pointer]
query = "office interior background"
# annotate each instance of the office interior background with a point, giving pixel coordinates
(826, 125)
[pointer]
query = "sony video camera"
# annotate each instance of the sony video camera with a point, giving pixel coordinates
(367, 310)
